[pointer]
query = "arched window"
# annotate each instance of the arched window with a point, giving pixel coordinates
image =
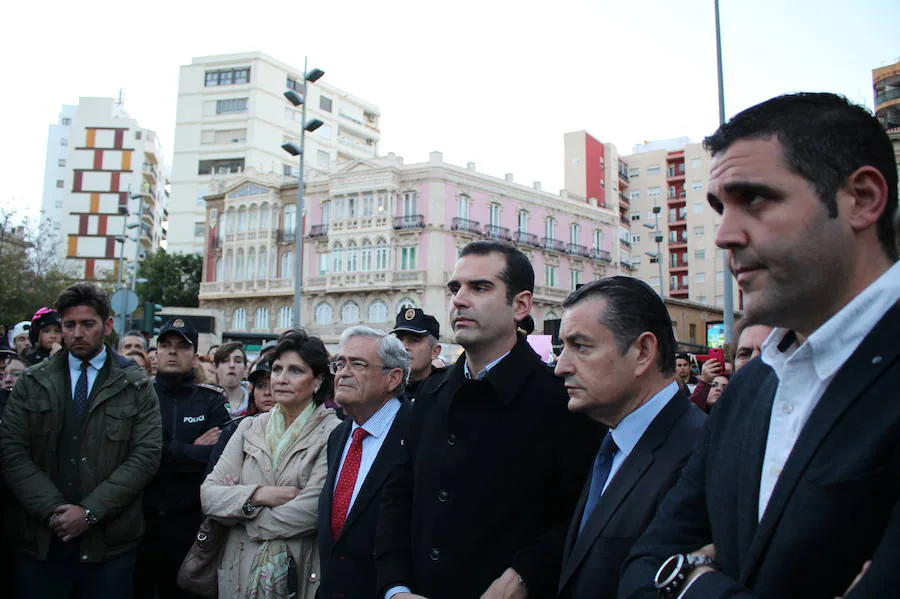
(228, 275)
(239, 266)
(337, 258)
(285, 316)
(324, 313)
(351, 257)
(264, 216)
(251, 264)
(229, 220)
(350, 313)
(263, 264)
(551, 315)
(239, 320)
(218, 273)
(381, 255)
(261, 319)
(405, 303)
(366, 256)
(290, 218)
(378, 311)
(286, 262)
(254, 218)
(242, 218)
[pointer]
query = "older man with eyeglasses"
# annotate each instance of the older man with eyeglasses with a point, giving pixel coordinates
(370, 371)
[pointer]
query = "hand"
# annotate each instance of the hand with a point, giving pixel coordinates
(710, 370)
(55, 348)
(273, 496)
(210, 437)
(68, 522)
(710, 552)
(859, 576)
(509, 586)
(229, 480)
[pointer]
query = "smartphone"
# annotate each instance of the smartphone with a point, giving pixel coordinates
(718, 354)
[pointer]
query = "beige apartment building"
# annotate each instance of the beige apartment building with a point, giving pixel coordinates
(232, 115)
(667, 195)
(886, 87)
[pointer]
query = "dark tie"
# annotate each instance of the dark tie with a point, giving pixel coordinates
(343, 491)
(81, 390)
(602, 464)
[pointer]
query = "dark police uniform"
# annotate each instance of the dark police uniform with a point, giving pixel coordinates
(415, 321)
(172, 500)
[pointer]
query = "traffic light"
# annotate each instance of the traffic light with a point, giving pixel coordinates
(152, 320)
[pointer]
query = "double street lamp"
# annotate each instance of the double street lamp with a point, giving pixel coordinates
(299, 99)
(658, 238)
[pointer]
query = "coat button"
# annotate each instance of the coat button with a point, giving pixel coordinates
(443, 495)
(84, 460)
(451, 439)
(435, 554)
(266, 468)
(313, 577)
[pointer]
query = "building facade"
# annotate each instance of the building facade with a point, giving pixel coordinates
(232, 116)
(886, 87)
(673, 229)
(381, 235)
(105, 178)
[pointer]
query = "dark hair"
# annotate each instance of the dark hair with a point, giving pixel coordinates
(825, 139)
(135, 333)
(518, 275)
(226, 349)
(312, 351)
(632, 308)
(682, 356)
(84, 294)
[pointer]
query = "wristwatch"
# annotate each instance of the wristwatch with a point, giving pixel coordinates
(248, 509)
(89, 516)
(670, 578)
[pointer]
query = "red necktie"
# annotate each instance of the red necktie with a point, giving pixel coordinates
(343, 491)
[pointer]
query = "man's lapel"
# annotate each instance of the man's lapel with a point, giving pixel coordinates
(876, 353)
(569, 563)
(390, 453)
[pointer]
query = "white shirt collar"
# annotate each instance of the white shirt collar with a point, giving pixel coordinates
(832, 344)
(97, 361)
(630, 430)
(380, 422)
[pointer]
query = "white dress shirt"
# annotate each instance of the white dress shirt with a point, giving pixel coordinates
(96, 363)
(378, 426)
(805, 371)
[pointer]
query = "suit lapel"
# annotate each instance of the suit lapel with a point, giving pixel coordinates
(622, 483)
(752, 452)
(875, 354)
(569, 564)
(388, 455)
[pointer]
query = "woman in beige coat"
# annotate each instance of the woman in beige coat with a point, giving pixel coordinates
(266, 485)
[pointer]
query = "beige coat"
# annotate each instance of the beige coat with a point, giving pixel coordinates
(247, 458)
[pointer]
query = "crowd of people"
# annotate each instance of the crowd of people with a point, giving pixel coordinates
(625, 469)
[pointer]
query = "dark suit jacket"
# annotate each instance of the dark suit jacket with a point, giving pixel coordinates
(495, 471)
(592, 560)
(348, 569)
(836, 503)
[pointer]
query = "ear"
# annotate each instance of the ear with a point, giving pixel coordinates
(195, 361)
(107, 326)
(866, 197)
(395, 377)
(435, 351)
(645, 347)
(521, 305)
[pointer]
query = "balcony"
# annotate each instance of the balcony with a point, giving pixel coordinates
(528, 239)
(151, 172)
(286, 236)
(678, 268)
(225, 289)
(626, 266)
(623, 218)
(623, 201)
(410, 221)
(575, 249)
(601, 255)
(887, 96)
(623, 172)
(675, 172)
(554, 245)
(550, 294)
(378, 280)
(317, 231)
(464, 225)
(625, 242)
(496, 232)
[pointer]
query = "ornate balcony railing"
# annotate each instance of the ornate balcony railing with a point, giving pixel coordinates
(410, 221)
(465, 225)
(496, 232)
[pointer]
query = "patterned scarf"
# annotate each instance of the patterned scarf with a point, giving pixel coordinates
(270, 571)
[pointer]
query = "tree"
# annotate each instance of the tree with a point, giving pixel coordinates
(32, 273)
(172, 279)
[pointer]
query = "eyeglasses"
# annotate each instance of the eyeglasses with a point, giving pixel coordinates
(356, 366)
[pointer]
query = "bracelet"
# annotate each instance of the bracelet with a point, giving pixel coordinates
(248, 509)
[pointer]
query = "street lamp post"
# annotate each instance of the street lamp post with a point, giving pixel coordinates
(727, 296)
(658, 238)
(294, 150)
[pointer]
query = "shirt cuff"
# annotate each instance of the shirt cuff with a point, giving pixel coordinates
(394, 590)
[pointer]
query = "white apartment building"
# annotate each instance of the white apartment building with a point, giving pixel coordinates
(667, 191)
(232, 115)
(103, 173)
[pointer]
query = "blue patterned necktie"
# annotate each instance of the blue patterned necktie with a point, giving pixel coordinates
(602, 465)
(81, 390)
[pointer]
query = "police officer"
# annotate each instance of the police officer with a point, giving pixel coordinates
(192, 414)
(420, 334)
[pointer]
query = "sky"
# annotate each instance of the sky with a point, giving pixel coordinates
(494, 82)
